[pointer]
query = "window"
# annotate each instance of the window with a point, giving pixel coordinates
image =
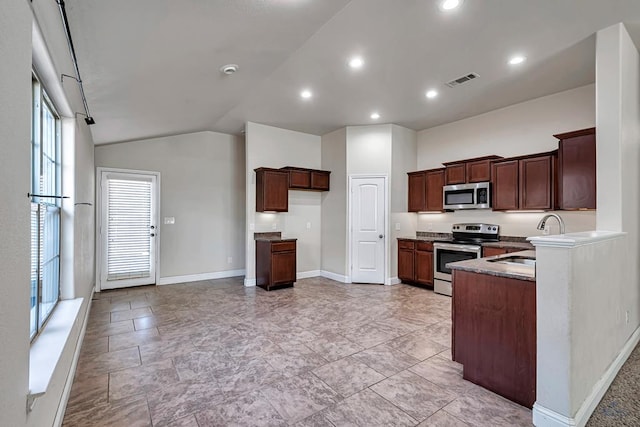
(45, 208)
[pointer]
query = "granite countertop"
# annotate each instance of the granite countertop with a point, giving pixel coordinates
(272, 236)
(483, 266)
(509, 244)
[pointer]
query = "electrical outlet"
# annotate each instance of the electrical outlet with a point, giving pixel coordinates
(169, 220)
(252, 226)
(430, 227)
(397, 226)
(274, 225)
(308, 226)
(229, 260)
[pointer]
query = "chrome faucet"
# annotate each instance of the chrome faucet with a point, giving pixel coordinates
(544, 219)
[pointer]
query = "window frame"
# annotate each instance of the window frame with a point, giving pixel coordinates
(42, 158)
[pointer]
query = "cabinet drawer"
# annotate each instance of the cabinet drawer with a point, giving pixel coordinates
(424, 246)
(283, 246)
(406, 244)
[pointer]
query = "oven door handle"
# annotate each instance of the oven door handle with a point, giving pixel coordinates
(464, 248)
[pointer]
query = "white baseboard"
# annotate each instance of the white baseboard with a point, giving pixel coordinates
(544, 417)
(307, 274)
(334, 276)
(171, 280)
(393, 281)
(249, 282)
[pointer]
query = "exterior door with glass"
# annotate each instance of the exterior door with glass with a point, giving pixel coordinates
(127, 229)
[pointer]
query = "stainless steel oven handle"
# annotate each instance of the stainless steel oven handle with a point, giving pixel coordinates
(463, 248)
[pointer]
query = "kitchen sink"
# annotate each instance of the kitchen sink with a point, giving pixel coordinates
(515, 260)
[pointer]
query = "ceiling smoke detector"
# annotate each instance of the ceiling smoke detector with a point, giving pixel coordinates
(229, 69)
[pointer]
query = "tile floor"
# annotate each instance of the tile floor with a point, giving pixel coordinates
(322, 353)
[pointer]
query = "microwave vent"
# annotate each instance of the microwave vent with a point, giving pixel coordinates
(463, 79)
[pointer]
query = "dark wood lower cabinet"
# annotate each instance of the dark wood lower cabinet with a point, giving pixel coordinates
(494, 333)
(415, 262)
(275, 263)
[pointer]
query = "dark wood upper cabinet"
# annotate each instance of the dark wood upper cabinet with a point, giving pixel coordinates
(272, 190)
(505, 185)
(523, 183)
(307, 179)
(477, 169)
(434, 183)
(577, 169)
(425, 190)
(456, 174)
(417, 200)
(536, 183)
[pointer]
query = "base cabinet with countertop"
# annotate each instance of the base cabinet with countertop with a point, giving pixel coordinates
(494, 333)
(275, 263)
(415, 261)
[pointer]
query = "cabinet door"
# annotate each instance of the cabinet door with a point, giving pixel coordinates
(424, 267)
(299, 179)
(479, 171)
(505, 185)
(455, 174)
(490, 251)
(283, 267)
(417, 192)
(536, 183)
(405, 265)
(272, 190)
(577, 172)
(320, 180)
(434, 183)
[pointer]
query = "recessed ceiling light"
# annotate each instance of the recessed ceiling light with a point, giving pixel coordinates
(518, 59)
(450, 4)
(306, 94)
(375, 116)
(229, 69)
(356, 62)
(431, 93)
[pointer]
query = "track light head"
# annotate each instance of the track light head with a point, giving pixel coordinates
(89, 120)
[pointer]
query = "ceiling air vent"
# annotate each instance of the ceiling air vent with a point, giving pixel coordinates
(463, 79)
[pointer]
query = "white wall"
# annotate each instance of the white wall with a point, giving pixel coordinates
(519, 129)
(589, 294)
(403, 160)
(267, 146)
(50, 56)
(334, 205)
(15, 111)
(202, 187)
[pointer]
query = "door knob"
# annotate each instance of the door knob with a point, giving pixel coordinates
(381, 236)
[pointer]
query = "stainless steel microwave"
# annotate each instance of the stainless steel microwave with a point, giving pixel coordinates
(467, 196)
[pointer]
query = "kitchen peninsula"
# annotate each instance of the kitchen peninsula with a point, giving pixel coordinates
(494, 323)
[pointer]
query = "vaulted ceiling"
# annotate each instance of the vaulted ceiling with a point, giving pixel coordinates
(152, 67)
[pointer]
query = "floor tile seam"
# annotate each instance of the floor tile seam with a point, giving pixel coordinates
(452, 415)
(393, 404)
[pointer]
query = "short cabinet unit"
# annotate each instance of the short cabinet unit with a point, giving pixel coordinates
(524, 183)
(577, 169)
(468, 171)
(272, 190)
(307, 179)
(415, 261)
(275, 263)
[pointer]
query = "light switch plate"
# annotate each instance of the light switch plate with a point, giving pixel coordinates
(169, 220)
(397, 226)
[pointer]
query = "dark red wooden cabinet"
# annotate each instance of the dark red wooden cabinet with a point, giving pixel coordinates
(406, 260)
(275, 263)
(524, 183)
(577, 169)
(415, 261)
(417, 196)
(272, 190)
(434, 182)
(494, 333)
(307, 179)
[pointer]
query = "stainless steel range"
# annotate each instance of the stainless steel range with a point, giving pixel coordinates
(466, 244)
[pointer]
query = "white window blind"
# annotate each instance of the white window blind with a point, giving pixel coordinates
(129, 229)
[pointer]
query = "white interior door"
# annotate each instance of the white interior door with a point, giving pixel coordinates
(128, 229)
(368, 230)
